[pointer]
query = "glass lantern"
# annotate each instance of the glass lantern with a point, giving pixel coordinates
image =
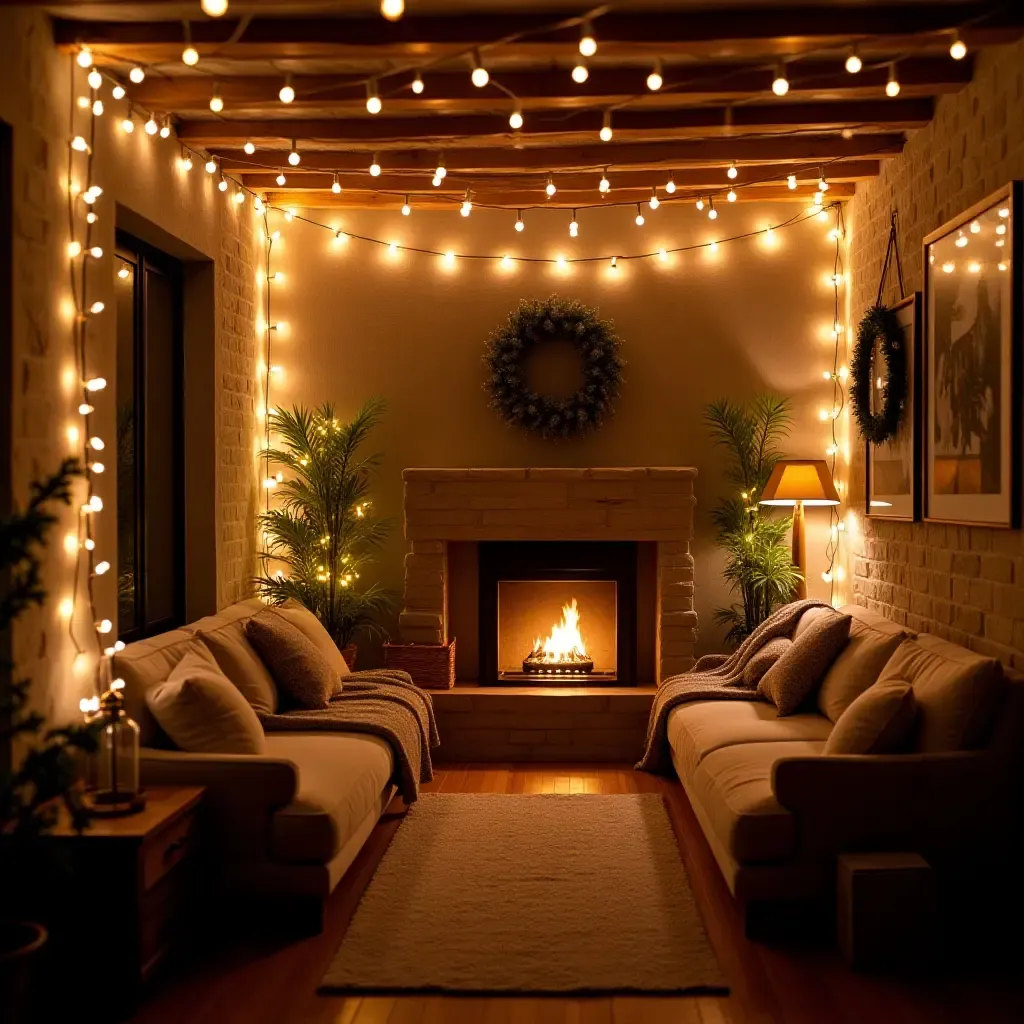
(117, 760)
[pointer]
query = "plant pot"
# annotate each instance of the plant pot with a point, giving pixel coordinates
(21, 943)
(349, 652)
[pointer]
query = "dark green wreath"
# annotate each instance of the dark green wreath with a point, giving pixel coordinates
(879, 324)
(535, 323)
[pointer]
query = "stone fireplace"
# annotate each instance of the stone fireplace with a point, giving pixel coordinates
(553, 576)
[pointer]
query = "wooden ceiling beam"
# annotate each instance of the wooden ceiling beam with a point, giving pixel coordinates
(540, 90)
(797, 149)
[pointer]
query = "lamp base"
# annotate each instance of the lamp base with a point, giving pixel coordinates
(105, 803)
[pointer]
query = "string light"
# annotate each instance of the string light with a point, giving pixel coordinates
(958, 48)
(190, 56)
(519, 220)
(579, 72)
(406, 208)
(185, 161)
(84, 57)
(375, 167)
(606, 127)
(780, 84)
(373, 103)
(137, 75)
(670, 186)
(128, 125)
(731, 196)
(97, 109)
(435, 181)
(550, 188)
(95, 80)
(479, 77)
(654, 202)
(216, 100)
(151, 127)
(214, 8)
(165, 128)
(732, 171)
(712, 212)
(613, 263)
(588, 44)
(639, 219)
(392, 10)
(604, 184)
(335, 185)
(655, 79)
(699, 204)
(239, 196)
(822, 183)
(293, 157)
(892, 87)
(222, 184)
(574, 228)
(440, 171)
(417, 84)
(467, 205)
(118, 92)
(791, 181)
(515, 119)
(280, 179)
(286, 94)
(211, 166)
(853, 61)
(79, 144)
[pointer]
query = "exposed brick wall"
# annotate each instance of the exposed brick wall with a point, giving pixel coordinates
(962, 583)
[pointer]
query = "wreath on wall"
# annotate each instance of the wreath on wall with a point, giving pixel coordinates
(538, 322)
(879, 325)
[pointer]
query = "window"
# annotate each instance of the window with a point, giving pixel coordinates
(150, 482)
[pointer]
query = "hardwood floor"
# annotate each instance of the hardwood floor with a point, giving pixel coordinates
(270, 980)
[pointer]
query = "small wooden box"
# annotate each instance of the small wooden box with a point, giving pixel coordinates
(432, 666)
(886, 914)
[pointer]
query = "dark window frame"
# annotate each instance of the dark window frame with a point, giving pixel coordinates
(146, 259)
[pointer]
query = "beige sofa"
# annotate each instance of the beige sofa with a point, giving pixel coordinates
(776, 811)
(287, 823)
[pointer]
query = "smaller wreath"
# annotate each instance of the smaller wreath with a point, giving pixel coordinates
(536, 323)
(879, 324)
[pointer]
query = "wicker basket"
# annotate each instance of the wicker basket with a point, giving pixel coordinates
(431, 666)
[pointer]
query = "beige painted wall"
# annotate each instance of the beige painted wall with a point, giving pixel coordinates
(141, 179)
(363, 322)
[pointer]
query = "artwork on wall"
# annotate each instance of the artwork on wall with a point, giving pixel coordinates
(972, 365)
(893, 467)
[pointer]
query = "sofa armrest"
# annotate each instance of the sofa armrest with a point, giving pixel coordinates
(242, 793)
(933, 804)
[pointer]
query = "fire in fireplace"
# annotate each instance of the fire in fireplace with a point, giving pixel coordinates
(563, 651)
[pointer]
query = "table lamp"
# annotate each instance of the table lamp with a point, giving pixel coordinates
(800, 482)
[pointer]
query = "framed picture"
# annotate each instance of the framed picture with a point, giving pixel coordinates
(972, 365)
(894, 468)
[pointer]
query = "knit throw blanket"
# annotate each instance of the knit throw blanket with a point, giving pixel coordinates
(384, 703)
(714, 677)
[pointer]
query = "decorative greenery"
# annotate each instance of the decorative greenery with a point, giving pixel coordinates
(322, 532)
(537, 322)
(48, 771)
(759, 563)
(879, 324)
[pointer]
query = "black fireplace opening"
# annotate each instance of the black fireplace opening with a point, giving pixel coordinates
(558, 613)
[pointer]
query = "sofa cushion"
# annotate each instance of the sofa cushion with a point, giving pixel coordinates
(241, 663)
(955, 689)
(202, 711)
(303, 676)
(696, 729)
(873, 641)
(810, 617)
(880, 721)
(305, 621)
(734, 788)
(791, 680)
(341, 778)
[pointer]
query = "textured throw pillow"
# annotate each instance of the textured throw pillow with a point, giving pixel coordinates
(809, 617)
(764, 659)
(791, 680)
(311, 627)
(873, 641)
(956, 691)
(202, 711)
(241, 664)
(299, 669)
(879, 721)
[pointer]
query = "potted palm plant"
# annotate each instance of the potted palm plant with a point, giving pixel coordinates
(39, 767)
(759, 564)
(322, 535)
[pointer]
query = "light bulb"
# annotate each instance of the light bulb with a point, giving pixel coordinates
(66, 608)
(588, 44)
(417, 84)
(281, 179)
(435, 181)
(574, 228)
(293, 157)
(440, 171)
(780, 84)
(151, 127)
(104, 626)
(84, 57)
(654, 202)
(97, 108)
(853, 62)
(190, 56)
(165, 129)
(375, 167)
(958, 48)
(712, 212)
(214, 8)
(186, 162)
(85, 409)
(406, 208)
(239, 196)
(95, 80)
(604, 184)
(97, 307)
(519, 220)
(670, 186)
(700, 204)
(128, 125)
(79, 144)
(71, 544)
(819, 198)
(655, 79)
(892, 87)
(639, 219)
(137, 75)
(791, 181)
(96, 443)
(102, 568)
(606, 127)
(466, 208)
(732, 171)
(515, 119)
(550, 189)
(561, 262)
(975, 228)
(91, 218)
(249, 148)
(88, 543)
(216, 101)
(479, 77)
(580, 73)
(211, 166)
(613, 263)
(822, 184)
(373, 103)
(117, 92)
(663, 255)
(731, 196)
(392, 9)
(340, 237)
(96, 252)
(335, 185)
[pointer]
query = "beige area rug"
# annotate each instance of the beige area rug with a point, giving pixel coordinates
(490, 893)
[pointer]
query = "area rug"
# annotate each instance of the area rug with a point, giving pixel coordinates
(492, 893)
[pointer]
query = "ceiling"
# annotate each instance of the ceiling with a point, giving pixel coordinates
(716, 106)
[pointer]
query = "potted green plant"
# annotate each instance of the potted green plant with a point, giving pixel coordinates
(39, 767)
(759, 564)
(322, 535)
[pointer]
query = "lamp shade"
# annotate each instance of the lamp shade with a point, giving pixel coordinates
(805, 480)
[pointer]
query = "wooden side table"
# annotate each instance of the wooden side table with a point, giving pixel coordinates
(131, 896)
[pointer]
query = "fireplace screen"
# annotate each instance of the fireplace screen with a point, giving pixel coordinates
(557, 629)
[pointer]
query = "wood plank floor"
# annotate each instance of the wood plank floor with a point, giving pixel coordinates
(268, 980)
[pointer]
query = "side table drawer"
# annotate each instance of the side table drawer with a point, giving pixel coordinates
(167, 848)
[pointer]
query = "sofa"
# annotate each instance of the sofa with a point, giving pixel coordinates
(777, 811)
(286, 824)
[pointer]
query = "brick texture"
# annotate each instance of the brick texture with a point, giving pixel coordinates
(965, 584)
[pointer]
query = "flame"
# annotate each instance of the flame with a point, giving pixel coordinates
(565, 644)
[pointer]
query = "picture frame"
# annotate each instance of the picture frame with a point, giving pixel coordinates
(971, 365)
(893, 469)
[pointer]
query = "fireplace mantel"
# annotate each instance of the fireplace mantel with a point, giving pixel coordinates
(629, 503)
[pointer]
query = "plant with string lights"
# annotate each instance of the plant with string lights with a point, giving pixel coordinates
(322, 534)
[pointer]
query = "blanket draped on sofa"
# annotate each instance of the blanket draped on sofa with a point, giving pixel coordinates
(384, 703)
(714, 677)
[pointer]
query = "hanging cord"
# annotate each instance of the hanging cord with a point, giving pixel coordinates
(892, 253)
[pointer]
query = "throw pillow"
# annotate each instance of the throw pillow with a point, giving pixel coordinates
(241, 664)
(879, 721)
(873, 641)
(791, 680)
(956, 691)
(764, 659)
(299, 669)
(809, 617)
(202, 711)
(308, 624)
